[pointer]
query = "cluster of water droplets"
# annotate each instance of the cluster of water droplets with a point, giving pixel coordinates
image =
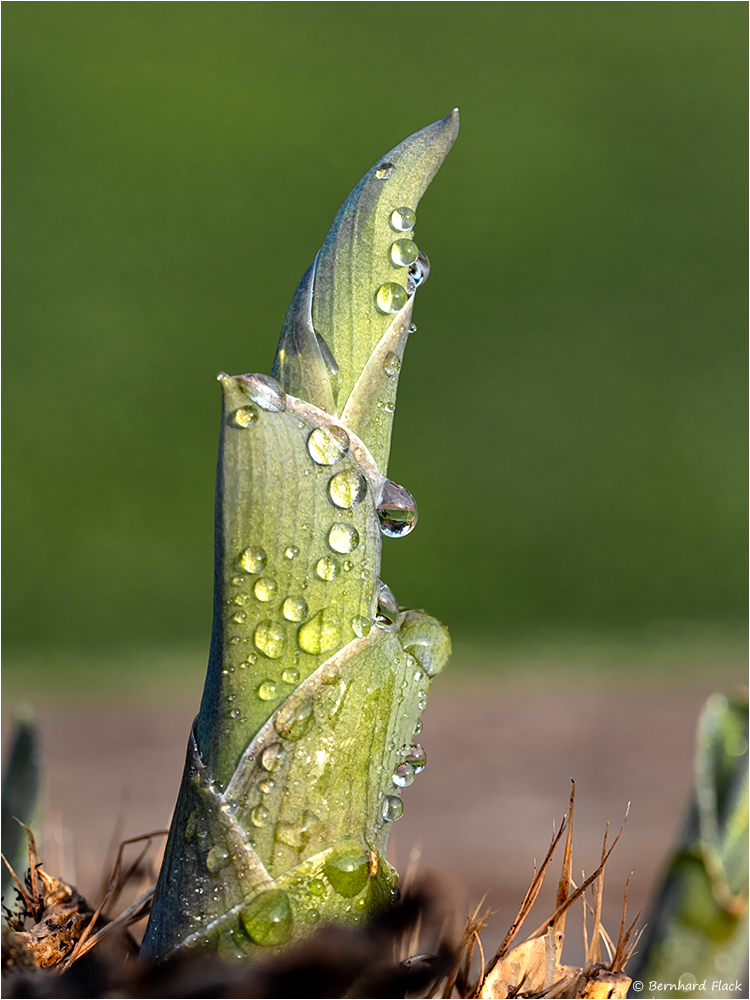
(391, 297)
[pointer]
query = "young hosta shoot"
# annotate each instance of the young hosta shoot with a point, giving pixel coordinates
(316, 680)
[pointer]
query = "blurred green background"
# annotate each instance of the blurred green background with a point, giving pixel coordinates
(572, 408)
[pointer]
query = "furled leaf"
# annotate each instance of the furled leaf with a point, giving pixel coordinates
(316, 679)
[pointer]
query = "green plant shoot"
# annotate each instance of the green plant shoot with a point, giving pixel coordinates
(316, 678)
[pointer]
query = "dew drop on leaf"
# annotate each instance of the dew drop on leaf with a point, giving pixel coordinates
(328, 445)
(294, 609)
(245, 416)
(391, 364)
(267, 690)
(327, 568)
(404, 252)
(403, 219)
(268, 919)
(397, 510)
(393, 808)
(253, 560)
(343, 538)
(270, 639)
(391, 297)
(265, 589)
(347, 489)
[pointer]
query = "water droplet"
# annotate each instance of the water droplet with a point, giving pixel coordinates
(253, 560)
(343, 538)
(403, 775)
(265, 391)
(317, 886)
(419, 271)
(347, 489)
(327, 568)
(216, 859)
(238, 580)
(396, 509)
(240, 616)
(416, 756)
(294, 609)
(389, 406)
(312, 916)
(273, 757)
(424, 638)
(384, 170)
(391, 364)
(270, 639)
(347, 870)
(235, 713)
(328, 445)
(412, 328)
(251, 658)
(290, 675)
(268, 919)
(265, 589)
(361, 626)
(321, 634)
(403, 219)
(386, 616)
(234, 640)
(267, 786)
(292, 552)
(245, 416)
(419, 727)
(404, 252)
(393, 808)
(241, 599)
(292, 721)
(267, 690)
(391, 297)
(260, 816)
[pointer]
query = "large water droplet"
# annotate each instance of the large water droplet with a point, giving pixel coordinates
(384, 170)
(321, 634)
(253, 560)
(265, 391)
(267, 690)
(216, 859)
(347, 871)
(268, 919)
(393, 808)
(294, 609)
(270, 639)
(245, 416)
(273, 757)
(391, 297)
(391, 364)
(343, 538)
(328, 445)
(425, 639)
(293, 720)
(386, 616)
(396, 509)
(416, 756)
(403, 219)
(361, 626)
(403, 775)
(419, 271)
(404, 252)
(265, 589)
(347, 489)
(260, 816)
(327, 568)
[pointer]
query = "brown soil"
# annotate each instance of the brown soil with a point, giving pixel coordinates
(500, 763)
